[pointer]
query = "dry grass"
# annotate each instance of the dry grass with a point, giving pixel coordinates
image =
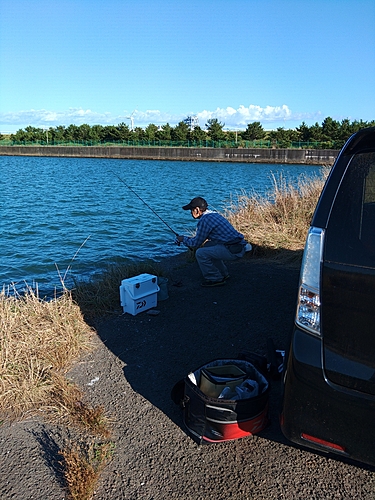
(83, 465)
(277, 224)
(39, 342)
(67, 403)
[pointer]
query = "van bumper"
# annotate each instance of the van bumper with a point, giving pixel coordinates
(318, 416)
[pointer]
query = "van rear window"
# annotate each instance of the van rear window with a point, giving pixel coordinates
(350, 235)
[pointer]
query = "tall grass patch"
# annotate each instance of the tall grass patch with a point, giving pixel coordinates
(278, 222)
(83, 464)
(39, 342)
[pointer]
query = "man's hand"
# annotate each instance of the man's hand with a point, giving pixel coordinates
(178, 240)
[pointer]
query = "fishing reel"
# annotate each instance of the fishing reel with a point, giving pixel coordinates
(179, 243)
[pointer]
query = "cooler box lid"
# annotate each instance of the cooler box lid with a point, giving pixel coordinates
(141, 285)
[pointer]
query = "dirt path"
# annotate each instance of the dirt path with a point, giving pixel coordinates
(131, 372)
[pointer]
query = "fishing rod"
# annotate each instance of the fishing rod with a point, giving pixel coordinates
(147, 205)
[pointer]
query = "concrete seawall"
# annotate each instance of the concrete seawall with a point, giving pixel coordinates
(299, 156)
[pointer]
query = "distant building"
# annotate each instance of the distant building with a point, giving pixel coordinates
(192, 122)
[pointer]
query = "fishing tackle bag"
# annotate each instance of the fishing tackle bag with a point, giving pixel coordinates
(223, 400)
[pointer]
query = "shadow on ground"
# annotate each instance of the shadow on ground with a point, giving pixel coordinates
(196, 325)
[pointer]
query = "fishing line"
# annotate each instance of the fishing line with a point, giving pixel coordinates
(143, 201)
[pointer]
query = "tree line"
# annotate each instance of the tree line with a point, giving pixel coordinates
(329, 134)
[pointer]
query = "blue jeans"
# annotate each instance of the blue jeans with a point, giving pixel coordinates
(211, 259)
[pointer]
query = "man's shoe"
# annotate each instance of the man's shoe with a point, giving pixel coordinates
(226, 277)
(212, 283)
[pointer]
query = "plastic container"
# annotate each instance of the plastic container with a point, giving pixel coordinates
(139, 293)
(140, 285)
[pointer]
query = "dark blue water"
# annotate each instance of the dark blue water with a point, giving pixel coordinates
(73, 214)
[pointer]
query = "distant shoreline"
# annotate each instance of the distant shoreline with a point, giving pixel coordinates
(239, 155)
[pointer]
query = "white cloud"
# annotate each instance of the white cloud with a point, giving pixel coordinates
(243, 115)
(42, 117)
(233, 118)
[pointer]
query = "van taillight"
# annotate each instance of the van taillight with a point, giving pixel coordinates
(308, 308)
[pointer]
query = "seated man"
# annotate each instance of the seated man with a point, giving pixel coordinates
(216, 240)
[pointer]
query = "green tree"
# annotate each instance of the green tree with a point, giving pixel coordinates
(72, 133)
(359, 124)
(283, 137)
(97, 133)
(84, 132)
(316, 132)
(124, 131)
(330, 134)
(30, 134)
(137, 134)
(150, 132)
(330, 129)
(181, 132)
(304, 132)
(344, 132)
(165, 133)
(253, 132)
(198, 134)
(35, 134)
(231, 136)
(215, 129)
(19, 136)
(58, 134)
(110, 133)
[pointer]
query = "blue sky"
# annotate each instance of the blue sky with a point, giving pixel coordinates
(279, 62)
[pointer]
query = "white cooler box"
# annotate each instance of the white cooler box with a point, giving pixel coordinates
(139, 293)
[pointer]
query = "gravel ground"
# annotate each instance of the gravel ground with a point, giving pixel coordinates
(131, 372)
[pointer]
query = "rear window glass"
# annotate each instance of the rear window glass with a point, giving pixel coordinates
(350, 235)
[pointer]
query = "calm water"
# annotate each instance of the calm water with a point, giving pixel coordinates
(53, 208)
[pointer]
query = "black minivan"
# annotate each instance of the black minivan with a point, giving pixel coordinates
(329, 378)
